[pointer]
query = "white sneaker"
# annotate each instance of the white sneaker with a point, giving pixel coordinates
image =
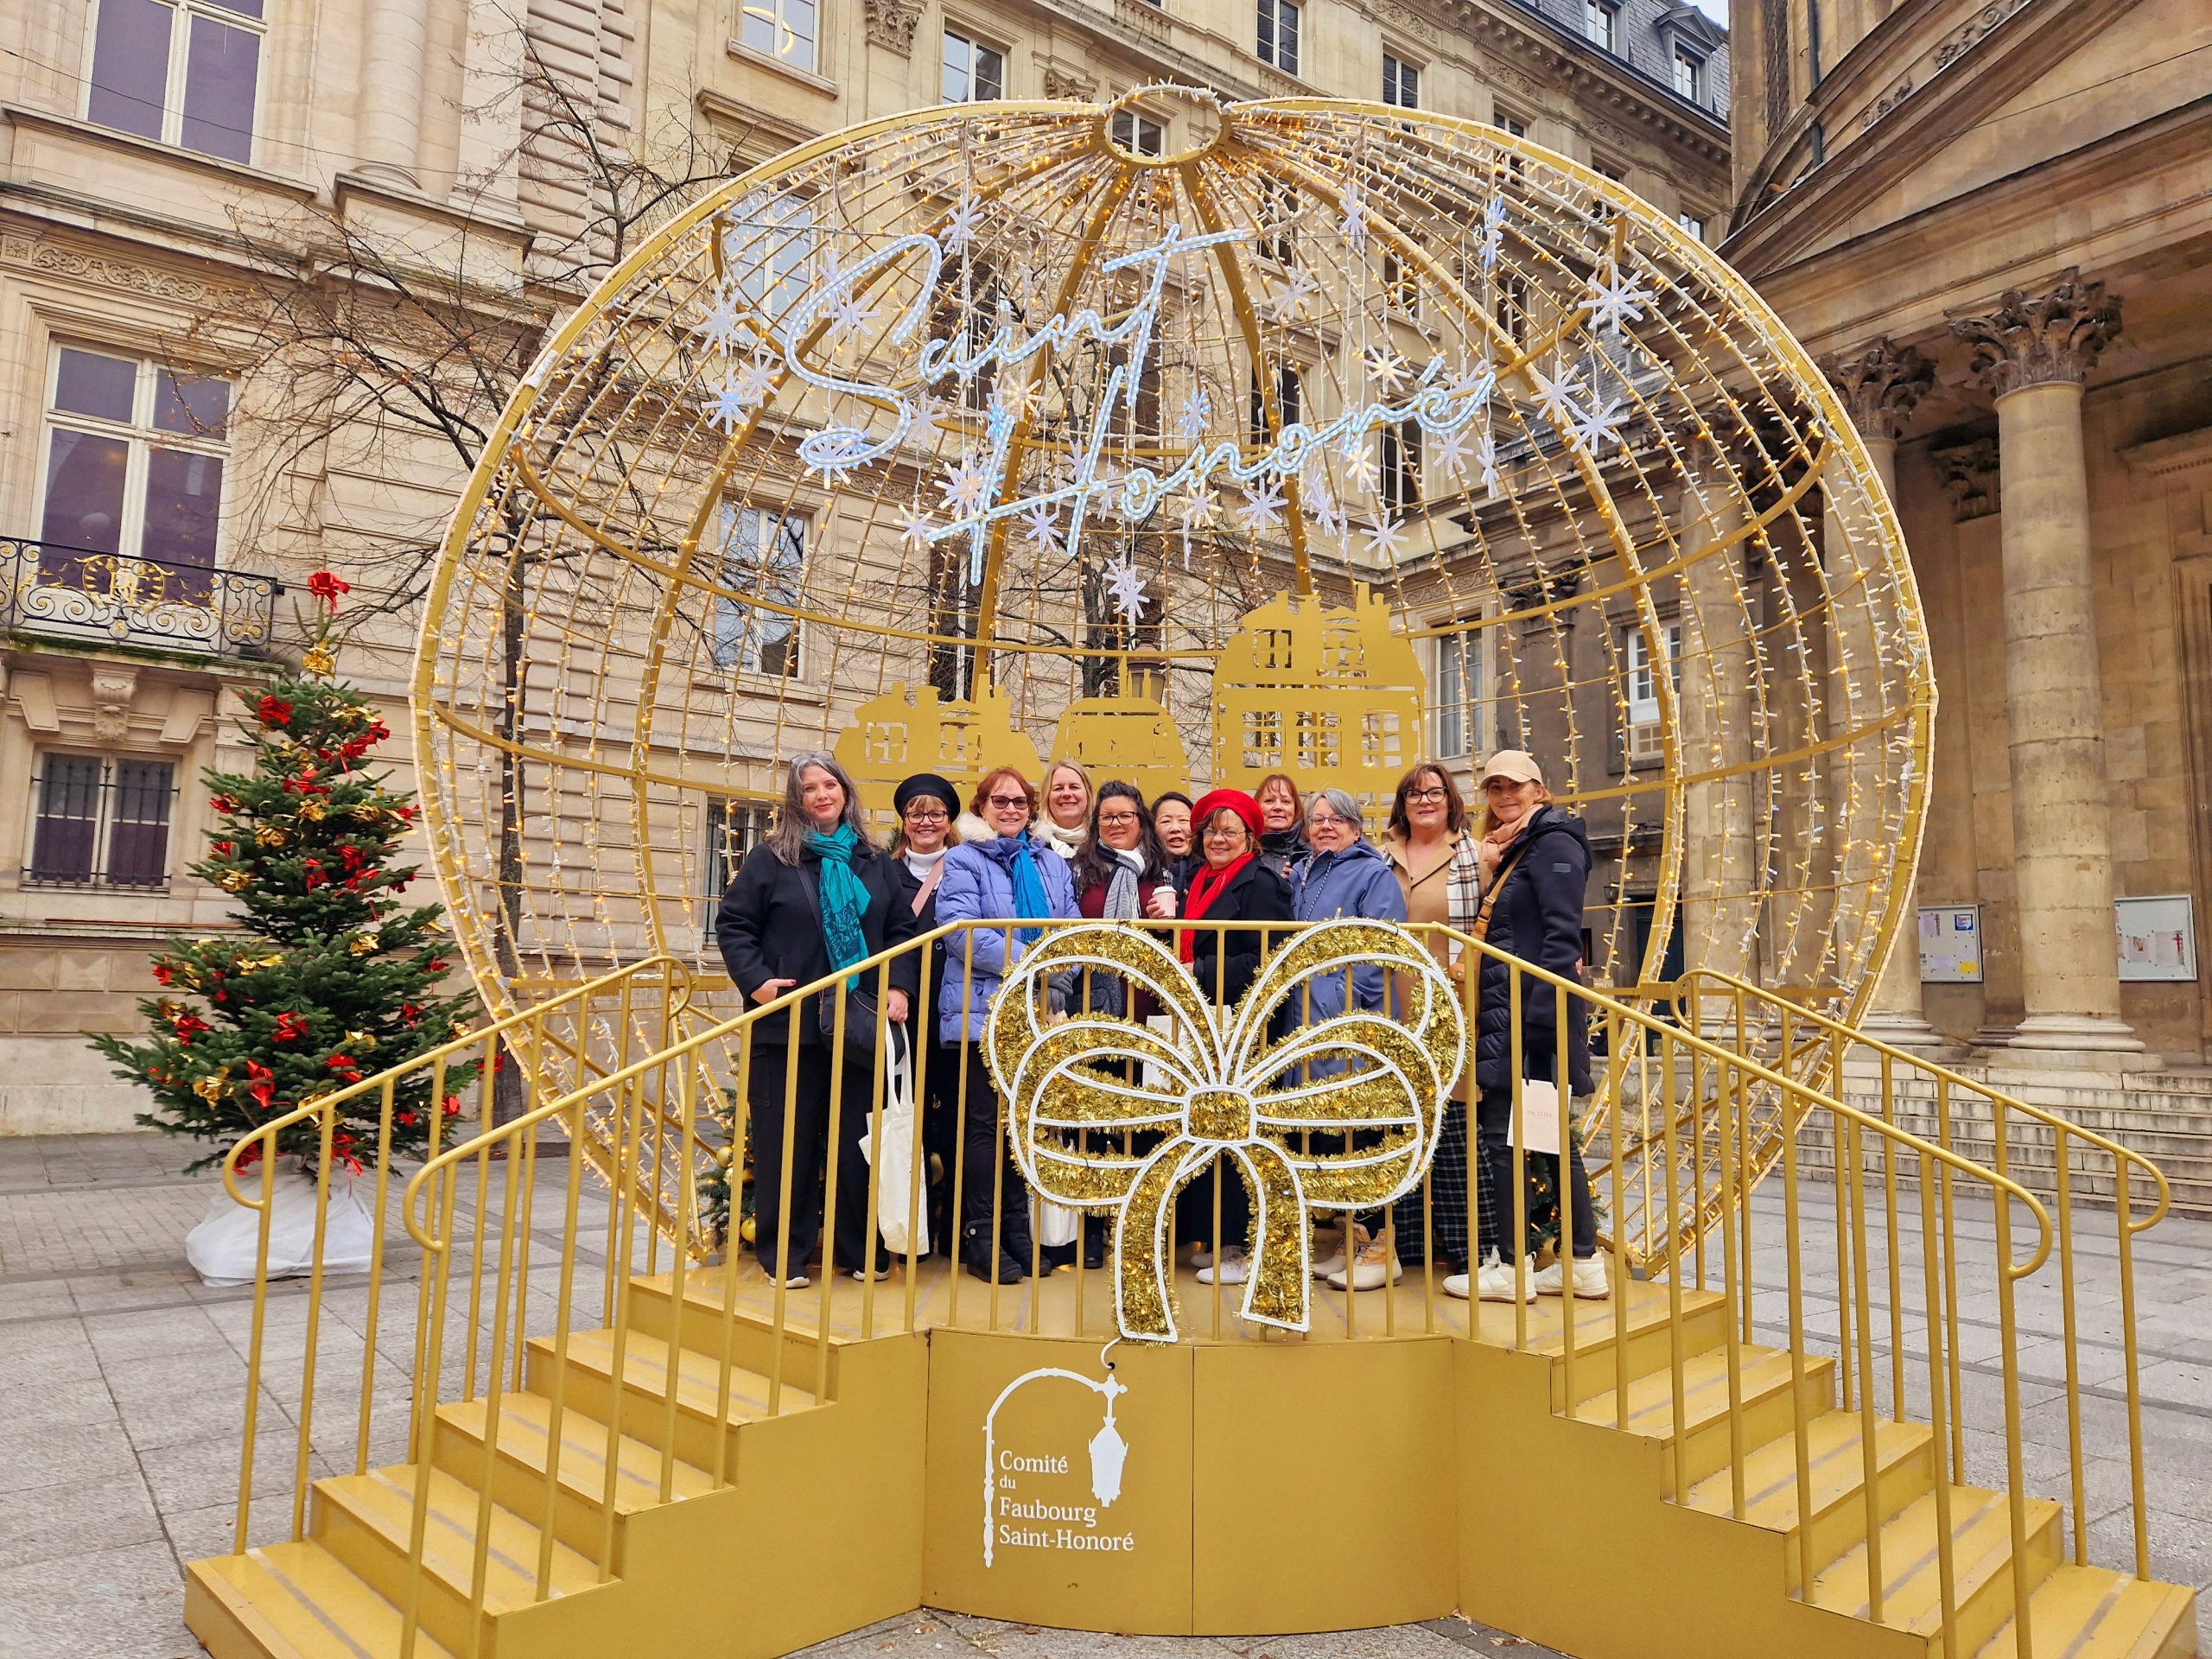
(1376, 1266)
(1590, 1283)
(1333, 1262)
(796, 1282)
(1202, 1257)
(1494, 1282)
(1236, 1267)
(865, 1276)
(1458, 1284)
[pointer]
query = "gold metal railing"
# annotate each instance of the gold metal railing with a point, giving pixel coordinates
(1672, 1126)
(1957, 1111)
(578, 1032)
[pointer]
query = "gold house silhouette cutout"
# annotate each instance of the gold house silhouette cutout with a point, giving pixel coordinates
(914, 728)
(1326, 694)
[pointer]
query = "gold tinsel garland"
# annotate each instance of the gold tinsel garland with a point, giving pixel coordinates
(1227, 1090)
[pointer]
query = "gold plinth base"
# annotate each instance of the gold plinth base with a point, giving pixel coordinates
(1248, 1485)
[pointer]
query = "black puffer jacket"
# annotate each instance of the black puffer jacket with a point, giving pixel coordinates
(1537, 917)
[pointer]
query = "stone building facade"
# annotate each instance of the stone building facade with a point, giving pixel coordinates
(170, 169)
(1993, 220)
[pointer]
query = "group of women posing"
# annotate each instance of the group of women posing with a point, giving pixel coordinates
(817, 896)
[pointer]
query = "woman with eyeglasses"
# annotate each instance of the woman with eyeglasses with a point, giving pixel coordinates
(1121, 875)
(927, 806)
(1438, 870)
(815, 897)
(1232, 886)
(1010, 878)
(1345, 877)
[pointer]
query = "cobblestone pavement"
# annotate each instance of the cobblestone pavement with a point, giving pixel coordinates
(121, 1379)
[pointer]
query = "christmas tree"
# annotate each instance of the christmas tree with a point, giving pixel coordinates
(331, 979)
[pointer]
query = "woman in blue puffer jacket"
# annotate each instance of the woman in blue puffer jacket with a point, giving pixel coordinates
(1346, 876)
(1010, 878)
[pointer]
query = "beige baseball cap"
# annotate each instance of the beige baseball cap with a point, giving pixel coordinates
(1517, 765)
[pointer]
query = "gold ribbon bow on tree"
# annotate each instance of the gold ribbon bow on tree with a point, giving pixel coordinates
(1373, 1084)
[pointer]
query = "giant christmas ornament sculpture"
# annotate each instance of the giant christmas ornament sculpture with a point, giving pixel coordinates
(920, 437)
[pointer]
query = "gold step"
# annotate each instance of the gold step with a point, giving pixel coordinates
(1765, 1390)
(293, 1601)
(2093, 1613)
(518, 1470)
(367, 1521)
(1904, 1470)
(1981, 1558)
(642, 1395)
(1650, 1342)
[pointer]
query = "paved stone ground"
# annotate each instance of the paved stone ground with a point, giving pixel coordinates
(121, 1375)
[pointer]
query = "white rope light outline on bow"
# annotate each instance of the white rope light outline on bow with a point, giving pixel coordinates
(1417, 1060)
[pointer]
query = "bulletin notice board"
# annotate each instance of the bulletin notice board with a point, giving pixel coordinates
(1950, 944)
(2158, 937)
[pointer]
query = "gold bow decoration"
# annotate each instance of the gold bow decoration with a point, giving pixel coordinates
(1232, 1088)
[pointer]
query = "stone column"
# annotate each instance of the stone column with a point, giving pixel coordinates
(2033, 352)
(393, 60)
(1880, 387)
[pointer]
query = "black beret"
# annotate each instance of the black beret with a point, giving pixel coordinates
(924, 782)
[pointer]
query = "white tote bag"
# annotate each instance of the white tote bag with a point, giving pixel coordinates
(904, 1230)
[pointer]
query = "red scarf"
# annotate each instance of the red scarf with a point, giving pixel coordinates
(1205, 887)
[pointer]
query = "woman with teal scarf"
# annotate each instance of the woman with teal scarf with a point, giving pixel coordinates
(1013, 877)
(812, 899)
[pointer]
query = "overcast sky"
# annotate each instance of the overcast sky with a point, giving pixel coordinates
(1716, 9)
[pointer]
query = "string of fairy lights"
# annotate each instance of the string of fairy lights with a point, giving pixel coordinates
(975, 400)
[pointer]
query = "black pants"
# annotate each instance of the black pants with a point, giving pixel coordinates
(1494, 1134)
(809, 1109)
(987, 1170)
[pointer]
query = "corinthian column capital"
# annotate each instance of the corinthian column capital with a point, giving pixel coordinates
(2031, 340)
(1881, 385)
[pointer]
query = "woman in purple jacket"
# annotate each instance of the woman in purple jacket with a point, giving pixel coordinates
(1009, 878)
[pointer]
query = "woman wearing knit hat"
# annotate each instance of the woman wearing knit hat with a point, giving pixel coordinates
(928, 807)
(1231, 885)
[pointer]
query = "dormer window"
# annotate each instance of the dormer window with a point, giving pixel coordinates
(1689, 75)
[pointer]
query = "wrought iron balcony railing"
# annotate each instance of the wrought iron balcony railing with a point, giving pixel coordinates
(83, 594)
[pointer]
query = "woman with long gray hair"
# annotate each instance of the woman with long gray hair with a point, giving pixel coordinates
(815, 897)
(1345, 877)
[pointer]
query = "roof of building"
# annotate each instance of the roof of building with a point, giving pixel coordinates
(1646, 35)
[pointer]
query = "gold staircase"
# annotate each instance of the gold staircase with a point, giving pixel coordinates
(596, 1440)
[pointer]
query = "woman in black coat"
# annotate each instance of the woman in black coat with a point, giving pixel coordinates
(815, 897)
(1535, 864)
(1232, 885)
(929, 809)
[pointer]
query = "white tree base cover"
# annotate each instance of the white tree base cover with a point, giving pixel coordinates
(224, 1247)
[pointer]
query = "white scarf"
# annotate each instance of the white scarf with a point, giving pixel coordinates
(1063, 841)
(929, 866)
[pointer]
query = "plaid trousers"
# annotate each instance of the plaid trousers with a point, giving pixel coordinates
(1438, 1208)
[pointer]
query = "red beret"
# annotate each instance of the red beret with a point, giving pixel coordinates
(1234, 800)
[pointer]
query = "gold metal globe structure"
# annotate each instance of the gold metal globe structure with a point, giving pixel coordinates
(1337, 437)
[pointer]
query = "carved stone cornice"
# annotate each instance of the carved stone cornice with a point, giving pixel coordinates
(1880, 387)
(1971, 478)
(1060, 81)
(891, 24)
(2033, 339)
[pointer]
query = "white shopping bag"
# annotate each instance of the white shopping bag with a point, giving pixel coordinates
(1539, 1116)
(224, 1249)
(906, 1229)
(1057, 1226)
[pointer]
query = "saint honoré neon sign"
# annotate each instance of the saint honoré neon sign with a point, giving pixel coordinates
(1439, 404)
